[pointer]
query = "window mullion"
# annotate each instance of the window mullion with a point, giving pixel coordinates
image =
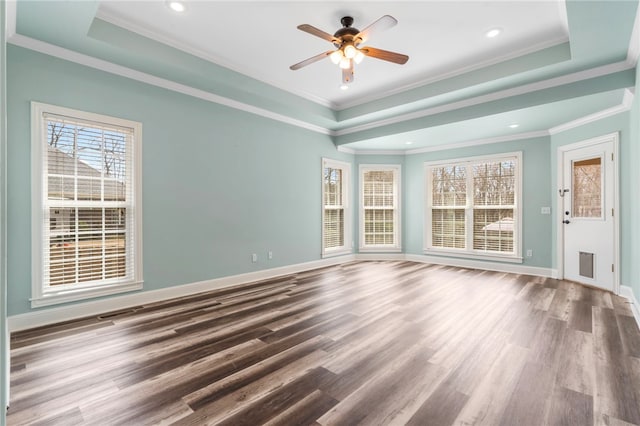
(469, 208)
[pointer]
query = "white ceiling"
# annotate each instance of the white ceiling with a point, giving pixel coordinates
(260, 39)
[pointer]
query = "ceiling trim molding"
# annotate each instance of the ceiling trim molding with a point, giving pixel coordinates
(346, 150)
(626, 104)
(10, 18)
(486, 141)
(633, 51)
(145, 32)
(444, 76)
(336, 106)
(380, 152)
(502, 94)
(102, 65)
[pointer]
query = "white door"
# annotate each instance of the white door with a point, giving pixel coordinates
(588, 212)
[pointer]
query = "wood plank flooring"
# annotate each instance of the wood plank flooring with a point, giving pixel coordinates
(361, 343)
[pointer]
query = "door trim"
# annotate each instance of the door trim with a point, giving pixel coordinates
(615, 137)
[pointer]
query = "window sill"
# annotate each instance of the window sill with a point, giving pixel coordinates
(73, 295)
(477, 256)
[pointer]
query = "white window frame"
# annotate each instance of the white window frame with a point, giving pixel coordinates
(347, 247)
(42, 295)
(469, 252)
(397, 176)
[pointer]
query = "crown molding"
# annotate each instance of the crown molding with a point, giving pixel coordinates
(10, 18)
(256, 75)
(336, 106)
(102, 65)
(507, 93)
(346, 150)
(626, 104)
(444, 76)
(476, 142)
(381, 152)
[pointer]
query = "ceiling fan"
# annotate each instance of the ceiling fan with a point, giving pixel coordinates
(347, 40)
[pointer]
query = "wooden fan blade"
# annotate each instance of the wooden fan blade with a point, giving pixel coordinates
(318, 33)
(347, 74)
(311, 60)
(386, 22)
(385, 55)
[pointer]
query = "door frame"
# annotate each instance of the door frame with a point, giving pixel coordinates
(562, 150)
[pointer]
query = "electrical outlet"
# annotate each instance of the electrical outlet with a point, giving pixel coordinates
(545, 210)
(254, 258)
(529, 253)
(270, 255)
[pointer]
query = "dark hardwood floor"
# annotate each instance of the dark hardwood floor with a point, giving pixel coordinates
(360, 343)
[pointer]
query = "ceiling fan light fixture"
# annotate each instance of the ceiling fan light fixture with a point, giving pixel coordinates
(336, 56)
(350, 51)
(346, 40)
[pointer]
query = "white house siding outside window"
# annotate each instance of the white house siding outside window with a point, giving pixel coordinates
(86, 205)
(473, 207)
(336, 212)
(380, 208)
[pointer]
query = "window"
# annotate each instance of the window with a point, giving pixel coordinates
(86, 205)
(473, 207)
(380, 208)
(336, 216)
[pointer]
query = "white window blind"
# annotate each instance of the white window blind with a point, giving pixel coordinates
(88, 231)
(449, 200)
(335, 207)
(494, 189)
(380, 224)
(473, 206)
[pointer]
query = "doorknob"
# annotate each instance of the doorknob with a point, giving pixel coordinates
(566, 221)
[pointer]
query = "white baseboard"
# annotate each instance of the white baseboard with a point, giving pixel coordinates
(381, 256)
(488, 266)
(43, 317)
(627, 292)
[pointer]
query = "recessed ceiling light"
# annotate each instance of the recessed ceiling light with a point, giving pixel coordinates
(176, 6)
(409, 142)
(494, 32)
(344, 87)
(514, 125)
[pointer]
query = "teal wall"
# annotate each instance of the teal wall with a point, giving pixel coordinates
(617, 123)
(536, 181)
(4, 332)
(219, 184)
(633, 196)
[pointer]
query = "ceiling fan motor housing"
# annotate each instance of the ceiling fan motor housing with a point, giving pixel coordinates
(347, 33)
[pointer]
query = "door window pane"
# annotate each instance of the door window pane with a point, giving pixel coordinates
(587, 188)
